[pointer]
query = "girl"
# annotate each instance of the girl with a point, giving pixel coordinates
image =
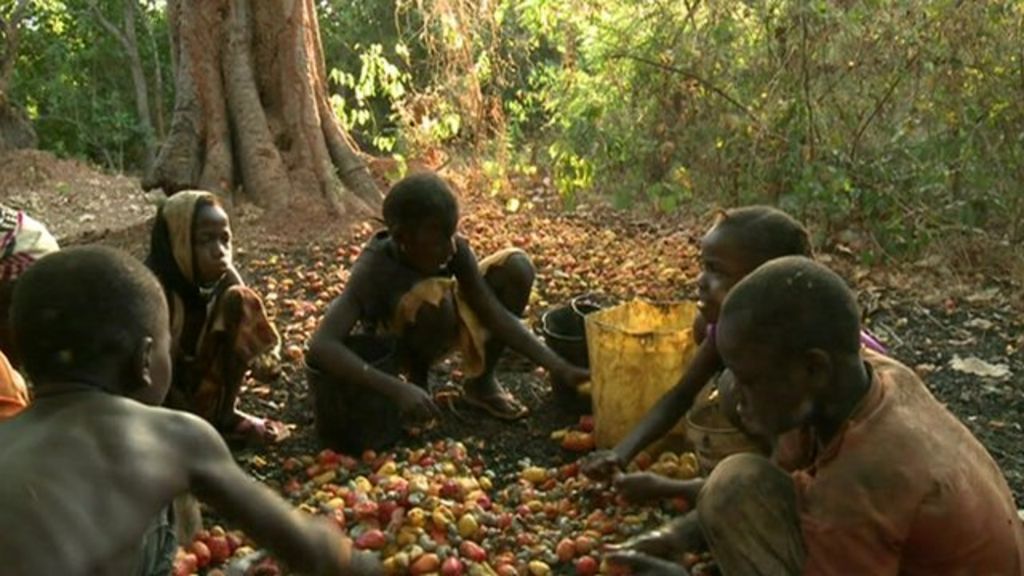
(218, 325)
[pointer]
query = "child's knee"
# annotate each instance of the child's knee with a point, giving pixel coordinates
(736, 478)
(520, 270)
(512, 280)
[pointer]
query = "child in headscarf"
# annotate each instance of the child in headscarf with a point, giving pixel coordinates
(218, 325)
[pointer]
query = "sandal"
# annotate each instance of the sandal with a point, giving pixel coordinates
(500, 404)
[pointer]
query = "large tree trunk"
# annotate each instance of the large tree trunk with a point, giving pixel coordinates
(251, 108)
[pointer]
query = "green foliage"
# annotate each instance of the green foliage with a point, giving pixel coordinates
(71, 77)
(901, 118)
(378, 80)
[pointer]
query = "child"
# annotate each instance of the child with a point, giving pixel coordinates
(218, 325)
(740, 240)
(416, 292)
(91, 465)
(23, 240)
(891, 481)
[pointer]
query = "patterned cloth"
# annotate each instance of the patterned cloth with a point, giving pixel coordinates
(178, 212)
(237, 331)
(472, 335)
(23, 240)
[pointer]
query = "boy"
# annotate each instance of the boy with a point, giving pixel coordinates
(738, 242)
(888, 480)
(90, 464)
(417, 291)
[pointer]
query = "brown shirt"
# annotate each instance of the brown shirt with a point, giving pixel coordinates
(905, 488)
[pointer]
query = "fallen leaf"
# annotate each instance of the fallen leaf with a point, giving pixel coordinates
(986, 295)
(979, 323)
(978, 367)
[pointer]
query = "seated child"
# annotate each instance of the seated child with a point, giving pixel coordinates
(23, 240)
(218, 325)
(739, 241)
(891, 481)
(417, 292)
(91, 466)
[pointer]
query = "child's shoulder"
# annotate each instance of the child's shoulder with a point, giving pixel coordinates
(102, 427)
(109, 414)
(380, 262)
(380, 247)
(175, 425)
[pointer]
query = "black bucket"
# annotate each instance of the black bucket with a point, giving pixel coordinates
(564, 330)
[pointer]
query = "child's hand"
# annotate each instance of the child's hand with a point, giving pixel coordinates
(639, 564)
(416, 405)
(601, 465)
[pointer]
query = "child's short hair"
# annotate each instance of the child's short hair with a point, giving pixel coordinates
(765, 232)
(419, 197)
(76, 310)
(798, 304)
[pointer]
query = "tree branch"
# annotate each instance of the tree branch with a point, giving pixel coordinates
(158, 74)
(11, 42)
(109, 26)
(806, 81)
(689, 74)
(891, 89)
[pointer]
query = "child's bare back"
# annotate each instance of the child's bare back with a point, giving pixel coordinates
(77, 495)
(92, 465)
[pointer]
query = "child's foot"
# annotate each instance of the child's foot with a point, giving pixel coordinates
(489, 396)
(253, 430)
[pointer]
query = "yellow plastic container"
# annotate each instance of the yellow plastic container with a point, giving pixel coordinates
(638, 351)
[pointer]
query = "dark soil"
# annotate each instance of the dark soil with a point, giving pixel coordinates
(929, 338)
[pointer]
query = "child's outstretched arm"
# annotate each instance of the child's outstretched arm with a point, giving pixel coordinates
(306, 544)
(646, 486)
(328, 353)
(503, 324)
(661, 418)
(640, 564)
